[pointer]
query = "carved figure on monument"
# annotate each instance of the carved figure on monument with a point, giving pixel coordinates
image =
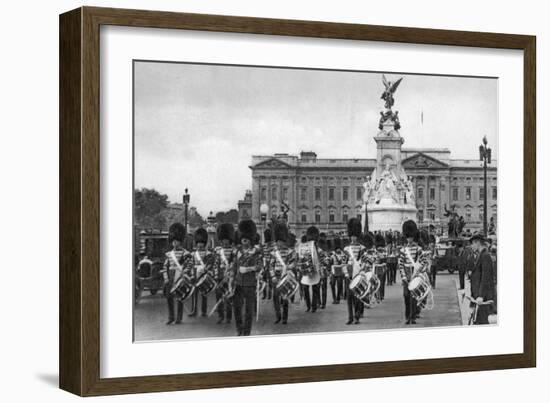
(387, 185)
(409, 191)
(368, 187)
(389, 90)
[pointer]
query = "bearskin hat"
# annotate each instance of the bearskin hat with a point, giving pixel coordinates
(409, 229)
(354, 227)
(268, 235)
(201, 236)
(368, 240)
(379, 240)
(312, 234)
(389, 238)
(247, 229)
(226, 231)
(176, 232)
(337, 243)
(303, 239)
(280, 232)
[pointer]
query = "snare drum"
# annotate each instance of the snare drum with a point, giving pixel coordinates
(206, 283)
(360, 285)
(419, 288)
(182, 288)
(374, 282)
(287, 286)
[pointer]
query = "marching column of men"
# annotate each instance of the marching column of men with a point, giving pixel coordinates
(239, 270)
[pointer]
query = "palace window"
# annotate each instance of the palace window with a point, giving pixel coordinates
(263, 194)
(285, 194)
(303, 217)
(480, 213)
(431, 215)
(455, 194)
(274, 211)
(331, 193)
(432, 193)
(358, 192)
(358, 212)
(317, 216)
(317, 194)
(494, 192)
(420, 215)
(468, 193)
(331, 214)
(345, 215)
(274, 193)
(303, 194)
(468, 213)
(420, 193)
(345, 193)
(481, 193)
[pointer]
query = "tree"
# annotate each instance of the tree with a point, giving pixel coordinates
(148, 207)
(231, 216)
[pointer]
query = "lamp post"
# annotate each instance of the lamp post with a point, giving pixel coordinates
(211, 229)
(186, 199)
(485, 156)
(264, 209)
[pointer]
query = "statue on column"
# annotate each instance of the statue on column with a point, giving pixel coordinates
(453, 224)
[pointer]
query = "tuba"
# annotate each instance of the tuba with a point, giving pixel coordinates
(309, 263)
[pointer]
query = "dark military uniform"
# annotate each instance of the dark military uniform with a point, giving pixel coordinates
(482, 284)
(281, 263)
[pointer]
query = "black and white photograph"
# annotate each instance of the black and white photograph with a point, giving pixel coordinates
(282, 200)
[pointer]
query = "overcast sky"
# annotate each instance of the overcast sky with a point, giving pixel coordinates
(197, 126)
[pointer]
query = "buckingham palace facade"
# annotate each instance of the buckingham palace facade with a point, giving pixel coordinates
(327, 192)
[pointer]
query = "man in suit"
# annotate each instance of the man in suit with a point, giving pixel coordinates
(482, 279)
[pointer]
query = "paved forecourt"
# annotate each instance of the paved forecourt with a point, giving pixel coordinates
(151, 315)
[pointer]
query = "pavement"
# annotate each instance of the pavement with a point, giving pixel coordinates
(150, 315)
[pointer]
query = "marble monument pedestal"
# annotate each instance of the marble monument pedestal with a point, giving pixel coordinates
(388, 215)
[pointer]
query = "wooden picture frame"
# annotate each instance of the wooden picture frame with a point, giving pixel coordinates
(79, 346)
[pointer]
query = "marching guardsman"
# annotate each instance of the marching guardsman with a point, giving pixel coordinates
(309, 267)
(248, 264)
(266, 250)
(482, 279)
(354, 252)
(409, 266)
(324, 260)
(391, 258)
(426, 262)
(338, 264)
(203, 261)
(174, 267)
(225, 254)
(282, 262)
(380, 267)
(433, 267)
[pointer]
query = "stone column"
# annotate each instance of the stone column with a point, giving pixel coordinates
(426, 196)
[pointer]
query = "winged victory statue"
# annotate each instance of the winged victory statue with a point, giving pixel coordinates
(389, 90)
